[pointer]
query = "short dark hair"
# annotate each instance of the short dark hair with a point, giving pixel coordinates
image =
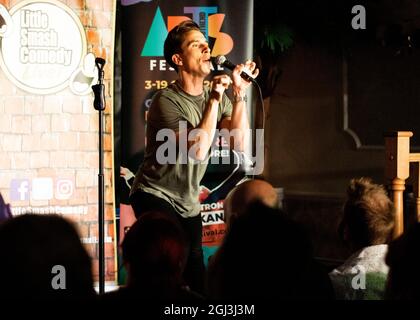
(154, 245)
(403, 259)
(30, 245)
(175, 38)
(368, 214)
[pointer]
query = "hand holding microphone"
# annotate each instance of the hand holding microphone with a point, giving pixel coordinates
(239, 70)
(219, 84)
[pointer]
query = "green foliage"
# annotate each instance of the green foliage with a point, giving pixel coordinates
(276, 39)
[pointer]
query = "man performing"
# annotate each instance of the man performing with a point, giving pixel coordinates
(192, 112)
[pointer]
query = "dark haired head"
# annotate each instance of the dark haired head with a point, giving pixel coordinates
(403, 259)
(175, 38)
(266, 255)
(154, 249)
(31, 246)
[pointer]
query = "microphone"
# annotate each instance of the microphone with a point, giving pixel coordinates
(99, 88)
(100, 65)
(223, 61)
(100, 61)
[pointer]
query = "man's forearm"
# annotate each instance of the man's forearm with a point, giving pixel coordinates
(239, 125)
(202, 136)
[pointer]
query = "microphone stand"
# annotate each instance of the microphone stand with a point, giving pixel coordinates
(99, 104)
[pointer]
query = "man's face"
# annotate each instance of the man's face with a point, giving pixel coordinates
(196, 54)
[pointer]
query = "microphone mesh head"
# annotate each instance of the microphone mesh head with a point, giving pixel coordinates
(219, 60)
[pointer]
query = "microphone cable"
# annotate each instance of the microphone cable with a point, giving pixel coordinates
(260, 99)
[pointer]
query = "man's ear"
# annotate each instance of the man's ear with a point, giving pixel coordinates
(176, 58)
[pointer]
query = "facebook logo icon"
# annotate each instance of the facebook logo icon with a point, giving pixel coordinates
(19, 189)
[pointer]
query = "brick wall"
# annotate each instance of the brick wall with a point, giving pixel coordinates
(57, 135)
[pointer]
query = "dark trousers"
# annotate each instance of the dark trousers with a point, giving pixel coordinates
(143, 202)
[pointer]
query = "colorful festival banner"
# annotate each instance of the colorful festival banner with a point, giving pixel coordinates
(48, 126)
(145, 25)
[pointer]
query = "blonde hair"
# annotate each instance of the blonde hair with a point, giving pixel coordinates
(368, 213)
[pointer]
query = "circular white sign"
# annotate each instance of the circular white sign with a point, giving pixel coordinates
(46, 46)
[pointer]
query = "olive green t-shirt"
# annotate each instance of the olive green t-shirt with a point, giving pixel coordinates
(167, 172)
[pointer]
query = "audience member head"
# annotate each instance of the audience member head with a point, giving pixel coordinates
(5, 212)
(40, 252)
(240, 197)
(154, 251)
(266, 255)
(403, 259)
(368, 215)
